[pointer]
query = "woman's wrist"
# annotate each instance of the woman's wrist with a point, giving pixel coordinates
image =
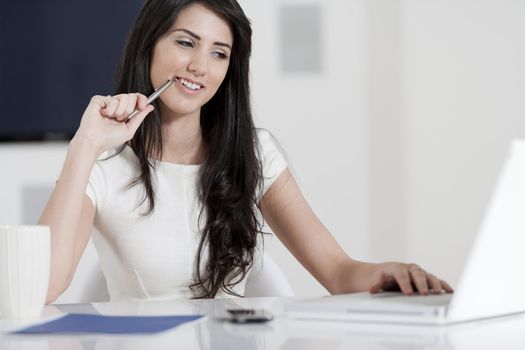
(354, 276)
(85, 147)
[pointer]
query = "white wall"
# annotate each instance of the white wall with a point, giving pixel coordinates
(386, 170)
(465, 100)
(458, 77)
(27, 166)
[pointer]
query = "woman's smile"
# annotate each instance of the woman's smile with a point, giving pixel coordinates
(189, 86)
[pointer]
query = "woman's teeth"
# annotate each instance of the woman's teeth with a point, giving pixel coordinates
(189, 85)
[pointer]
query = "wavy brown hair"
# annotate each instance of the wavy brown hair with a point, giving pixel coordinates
(230, 177)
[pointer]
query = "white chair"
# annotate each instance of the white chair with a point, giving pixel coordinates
(89, 285)
(266, 279)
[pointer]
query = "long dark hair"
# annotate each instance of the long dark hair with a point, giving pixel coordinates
(231, 175)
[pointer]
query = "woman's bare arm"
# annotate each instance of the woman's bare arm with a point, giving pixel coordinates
(294, 222)
(69, 212)
(69, 215)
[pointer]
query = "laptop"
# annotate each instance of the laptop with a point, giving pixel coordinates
(491, 283)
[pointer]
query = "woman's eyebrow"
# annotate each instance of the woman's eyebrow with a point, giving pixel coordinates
(189, 32)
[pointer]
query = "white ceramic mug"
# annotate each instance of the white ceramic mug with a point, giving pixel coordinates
(25, 258)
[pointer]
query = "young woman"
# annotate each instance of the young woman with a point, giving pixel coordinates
(176, 191)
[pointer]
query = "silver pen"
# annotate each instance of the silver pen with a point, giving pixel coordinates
(155, 94)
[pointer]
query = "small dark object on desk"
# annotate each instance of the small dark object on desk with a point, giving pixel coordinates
(249, 315)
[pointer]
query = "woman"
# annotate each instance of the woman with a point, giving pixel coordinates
(177, 206)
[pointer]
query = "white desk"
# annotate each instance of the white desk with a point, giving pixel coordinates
(282, 333)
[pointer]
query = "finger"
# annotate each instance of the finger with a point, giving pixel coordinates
(102, 101)
(134, 123)
(99, 100)
(142, 101)
(403, 280)
(419, 279)
(120, 112)
(97, 104)
(111, 106)
(378, 287)
(106, 100)
(435, 284)
(132, 104)
(447, 287)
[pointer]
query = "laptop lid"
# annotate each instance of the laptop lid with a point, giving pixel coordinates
(492, 282)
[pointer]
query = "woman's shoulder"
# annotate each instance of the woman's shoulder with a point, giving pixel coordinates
(272, 157)
(120, 153)
(266, 141)
(268, 144)
(118, 160)
(111, 175)
(264, 135)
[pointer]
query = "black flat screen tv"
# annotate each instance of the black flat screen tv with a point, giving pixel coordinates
(55, 55)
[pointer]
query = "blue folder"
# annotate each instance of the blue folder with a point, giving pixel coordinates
(84, 323)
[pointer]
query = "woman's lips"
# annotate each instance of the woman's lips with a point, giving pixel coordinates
(188, 86)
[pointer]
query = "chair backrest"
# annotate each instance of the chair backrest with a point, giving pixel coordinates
(266, 279)
(89, 285)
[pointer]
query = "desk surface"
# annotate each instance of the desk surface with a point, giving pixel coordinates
(282, 333)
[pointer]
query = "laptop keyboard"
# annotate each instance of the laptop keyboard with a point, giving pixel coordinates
(430, 300)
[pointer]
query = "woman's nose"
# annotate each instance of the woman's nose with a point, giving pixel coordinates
(198, 64)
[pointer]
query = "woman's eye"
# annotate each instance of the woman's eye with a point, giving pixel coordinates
(185, 43)
(220, 55)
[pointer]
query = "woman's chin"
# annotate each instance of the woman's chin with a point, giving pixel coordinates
(176, 112)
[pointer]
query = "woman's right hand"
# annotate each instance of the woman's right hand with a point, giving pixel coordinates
(105, 121)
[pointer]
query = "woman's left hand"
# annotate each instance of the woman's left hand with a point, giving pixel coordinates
(409, 278)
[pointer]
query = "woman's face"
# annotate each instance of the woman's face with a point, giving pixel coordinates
(196, 51)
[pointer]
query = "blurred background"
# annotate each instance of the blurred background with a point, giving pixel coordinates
(395, 115)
